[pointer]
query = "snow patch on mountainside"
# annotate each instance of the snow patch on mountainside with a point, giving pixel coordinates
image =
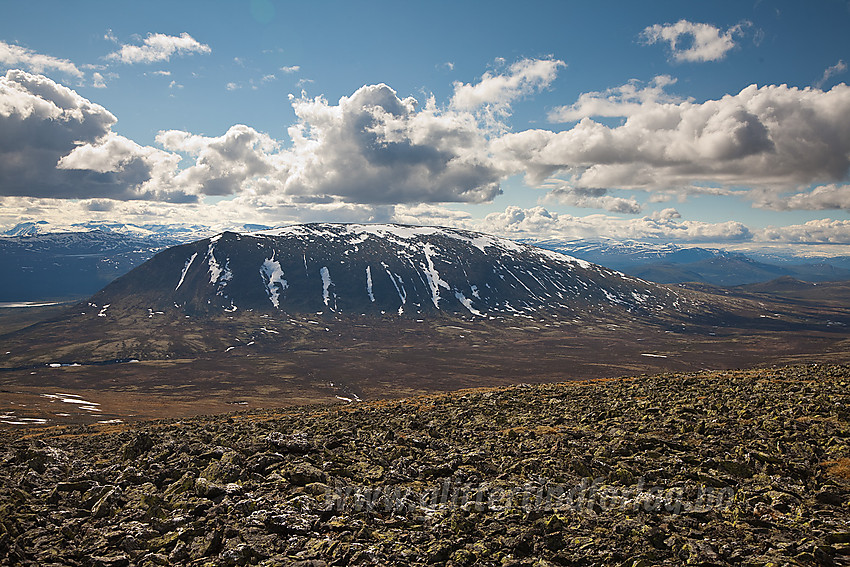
(369, 284)
(186, 267)
(434, 281)
(326, 284)
(562, 257)
(215, 269)
(467, 303)
(272, 275)
(398, 284)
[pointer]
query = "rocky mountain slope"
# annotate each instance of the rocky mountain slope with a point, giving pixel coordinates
(711, 468)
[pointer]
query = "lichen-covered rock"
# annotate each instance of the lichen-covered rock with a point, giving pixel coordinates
(714, 468)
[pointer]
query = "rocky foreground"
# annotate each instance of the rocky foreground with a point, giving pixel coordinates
(715, 468)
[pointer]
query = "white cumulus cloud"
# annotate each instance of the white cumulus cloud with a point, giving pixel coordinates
(819, 231)
(379, 148)
(622, 101)
(771, 138)
(234, 162)
(595, 198)
(496, 91)
(55, 143)
(377, 155)
(692, 42)
(372, 147)
(830, 72)
(159, 47)
(823, 197)
(16, 55)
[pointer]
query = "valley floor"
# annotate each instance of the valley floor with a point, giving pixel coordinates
(327, 361)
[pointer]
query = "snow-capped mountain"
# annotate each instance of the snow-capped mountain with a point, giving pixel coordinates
(26, 229)
(45, 261)
(378, 269)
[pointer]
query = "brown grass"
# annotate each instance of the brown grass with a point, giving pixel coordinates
(839, 468)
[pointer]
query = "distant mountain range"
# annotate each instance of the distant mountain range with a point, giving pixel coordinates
(669, 263)
(41, 261)
(70, 265)
(168, 232)
(46, 261)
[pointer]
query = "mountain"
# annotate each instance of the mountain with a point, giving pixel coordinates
(628, 253)
(26, 229)
(735, 270)
(669, 263)
(69, 265)
(377, 269)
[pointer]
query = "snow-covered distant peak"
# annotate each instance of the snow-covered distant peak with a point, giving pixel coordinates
(336, 229)
(171, 233)
(34, 228)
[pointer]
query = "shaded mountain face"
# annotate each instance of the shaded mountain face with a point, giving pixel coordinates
(69, 264)
(378, 269)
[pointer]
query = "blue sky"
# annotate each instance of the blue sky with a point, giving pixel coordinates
(546, 119)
